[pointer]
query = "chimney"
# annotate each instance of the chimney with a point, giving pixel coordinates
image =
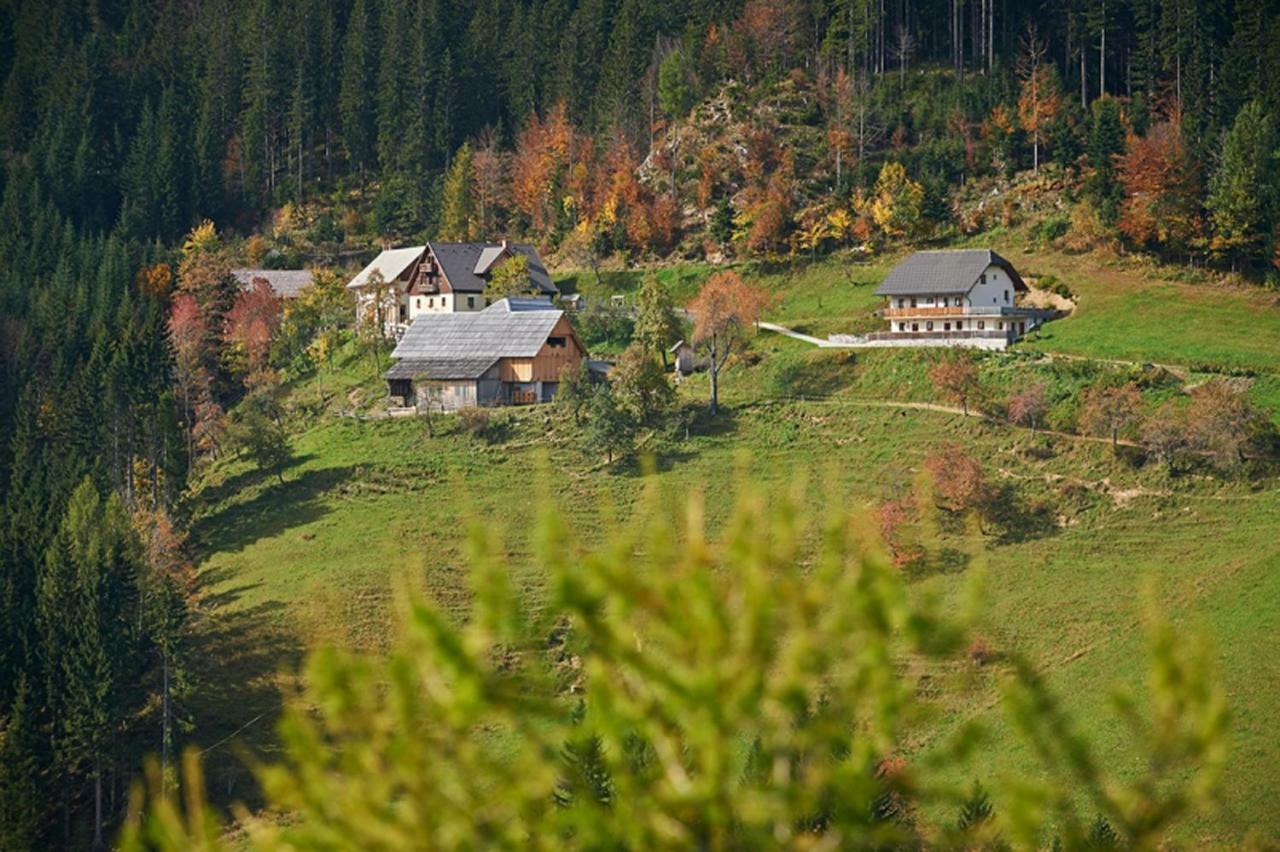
(504, 243)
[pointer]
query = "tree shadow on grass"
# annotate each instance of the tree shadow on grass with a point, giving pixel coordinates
(702, 423)
(1018, 521)
(816, 377)
(947, 560)
(236, 699)
(277, 507)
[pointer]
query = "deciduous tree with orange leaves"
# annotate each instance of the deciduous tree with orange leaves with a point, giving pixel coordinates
(543, 153)
(956, 377)
(959, 483)
(1161, 188)
(1038, 98)
(723, 313)
(1109, 410)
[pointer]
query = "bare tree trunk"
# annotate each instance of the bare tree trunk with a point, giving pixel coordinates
(1084, 90)
(715, 376)
(1102, 52)
(98, 842)
(166, 731)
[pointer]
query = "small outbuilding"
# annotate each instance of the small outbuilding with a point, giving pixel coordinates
(511, 353)
(686, 359)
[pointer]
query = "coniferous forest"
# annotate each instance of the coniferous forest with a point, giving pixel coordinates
(639, 129)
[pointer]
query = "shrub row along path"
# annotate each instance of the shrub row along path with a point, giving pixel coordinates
(956, 410)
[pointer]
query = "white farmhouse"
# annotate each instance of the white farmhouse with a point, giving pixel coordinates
(402, 284)
(965, 297)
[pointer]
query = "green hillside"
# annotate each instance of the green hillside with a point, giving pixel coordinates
(374, 507)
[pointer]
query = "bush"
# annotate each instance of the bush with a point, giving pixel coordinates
(650, 700)
(325, 230)
(1050, 228)
(476, 422)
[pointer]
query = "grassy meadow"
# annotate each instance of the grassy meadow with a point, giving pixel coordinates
(372, 508)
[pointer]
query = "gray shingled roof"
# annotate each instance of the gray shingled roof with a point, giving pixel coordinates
(503, 330)
(952, 271)
(440, 368)
(459, 262)
(286, 283)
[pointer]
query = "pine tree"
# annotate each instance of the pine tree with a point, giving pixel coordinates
(356, 94)
(87, 611)
(657, 326)
(1106, 140)
(1243, 196)
(22, 799)
(457, 219)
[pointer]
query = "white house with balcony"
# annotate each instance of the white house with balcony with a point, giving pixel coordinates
(963, 297)
(402, 284)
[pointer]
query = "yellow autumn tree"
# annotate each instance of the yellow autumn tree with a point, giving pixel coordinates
(896, 205)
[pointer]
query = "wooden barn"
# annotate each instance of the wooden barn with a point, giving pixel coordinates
(511, 353)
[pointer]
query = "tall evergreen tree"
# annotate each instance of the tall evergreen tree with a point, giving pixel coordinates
(1243, 195)
(357, 94)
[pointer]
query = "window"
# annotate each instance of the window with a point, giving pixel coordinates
(431, 303)
(915, 326)
(982, 279)
(417, 303)
(471, 301)
(1006, 297)
(1001, 326)
(928, 326)
(913, 301)
(946, 326)
(555, 342)
(404, 313)
(981, 325)
(902, 303)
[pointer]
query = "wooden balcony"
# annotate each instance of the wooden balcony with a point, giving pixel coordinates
(949, 311)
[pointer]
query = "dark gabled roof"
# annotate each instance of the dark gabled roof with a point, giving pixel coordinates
(506, 329)
(440, 368)
(952, 271)
(459, 261)
(286, 283)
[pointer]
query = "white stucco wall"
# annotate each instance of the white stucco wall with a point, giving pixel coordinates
(997, 290)
(442, 303)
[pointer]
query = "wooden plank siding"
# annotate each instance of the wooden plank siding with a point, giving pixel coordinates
(550, 361)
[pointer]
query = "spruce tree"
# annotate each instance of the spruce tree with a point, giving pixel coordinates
(1242, 192)
(357, 93)
(457, 218)
(22, 799)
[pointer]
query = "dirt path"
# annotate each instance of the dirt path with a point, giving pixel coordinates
(806, 338)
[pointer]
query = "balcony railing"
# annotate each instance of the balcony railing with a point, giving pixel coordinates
(988, 334)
